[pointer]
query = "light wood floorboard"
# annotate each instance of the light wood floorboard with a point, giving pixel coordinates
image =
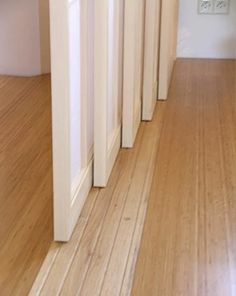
(188, 246)
(109, 227)
(25, 180)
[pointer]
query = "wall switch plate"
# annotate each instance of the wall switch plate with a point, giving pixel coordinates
(205, 6)
(221, 6)
(213, 6)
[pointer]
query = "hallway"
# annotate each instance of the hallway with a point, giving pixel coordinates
(189, 241)
(188, 244)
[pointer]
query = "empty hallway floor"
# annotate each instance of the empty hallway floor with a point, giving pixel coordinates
(188, 245)
(25, 180)
(182, 170)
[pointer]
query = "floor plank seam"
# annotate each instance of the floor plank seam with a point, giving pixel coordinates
(144, 199)
(125, 203)
(66, 272)
(102, 191)
(108, 211)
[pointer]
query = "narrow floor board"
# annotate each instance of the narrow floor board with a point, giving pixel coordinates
(101, 256)
(187, 157)
(188, 246)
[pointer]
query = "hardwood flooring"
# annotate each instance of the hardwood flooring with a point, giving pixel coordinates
(187, 157)
(25, 180)
(100, 258)
(188, 245)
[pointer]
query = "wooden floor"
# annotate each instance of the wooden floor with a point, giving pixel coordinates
(188, 247)
(25, 181)
(189, 242)
(101, 256)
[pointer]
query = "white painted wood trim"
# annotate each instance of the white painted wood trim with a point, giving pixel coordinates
(129, 75)
(133, 33)
(60, 117)
(106, 147)
(151, 58)
(68, 198)
(101, 10)
(111, 156)
(83, 182)
(84, 81)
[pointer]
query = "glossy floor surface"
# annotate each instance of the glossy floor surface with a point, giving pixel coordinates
(186, 160)
(25, 180)
(101, 256)
(188, 246)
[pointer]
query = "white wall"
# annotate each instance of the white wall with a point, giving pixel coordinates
(206, 36)
(23, 47)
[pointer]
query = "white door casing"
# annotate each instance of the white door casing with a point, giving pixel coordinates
(151, 58)
(72, 169)
(133, 70)
(108, 52)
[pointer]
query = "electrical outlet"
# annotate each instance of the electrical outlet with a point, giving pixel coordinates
(213, 6)
(221, 6)
(205, 6)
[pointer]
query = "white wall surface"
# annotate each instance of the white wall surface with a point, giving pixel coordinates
(206, 36)
(75, 88)
(20, 37)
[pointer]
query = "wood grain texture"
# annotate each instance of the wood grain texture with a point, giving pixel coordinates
(109, 228)
(25, 180)
(189, 241)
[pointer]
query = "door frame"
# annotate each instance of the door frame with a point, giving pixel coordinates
(133, 70)
(106, 147)
(68, 195)
(151, 58)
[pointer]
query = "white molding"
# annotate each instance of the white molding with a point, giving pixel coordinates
(101, 62)
(107, 52)
(129, 74)
(83, 182)
(151, 58)
(69, 195)
(60, 117)
(84, 83)
(133, 69)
